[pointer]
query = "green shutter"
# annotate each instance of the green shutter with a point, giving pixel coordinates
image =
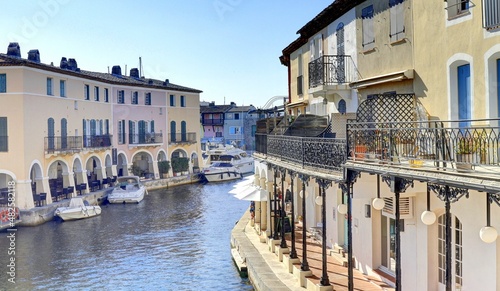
(3, 83)
(3, 134)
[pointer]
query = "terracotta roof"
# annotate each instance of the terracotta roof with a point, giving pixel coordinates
(96, 76)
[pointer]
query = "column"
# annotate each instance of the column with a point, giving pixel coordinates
(22, 194)
(100, 173)
(68, 179)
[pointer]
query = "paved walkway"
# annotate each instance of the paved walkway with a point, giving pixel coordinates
(266, 272)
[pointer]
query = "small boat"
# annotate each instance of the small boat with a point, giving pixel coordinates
(77, 209)
(128, 189)
(240, 159)
(221, 171)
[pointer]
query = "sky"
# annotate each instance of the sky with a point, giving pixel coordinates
(229, 49)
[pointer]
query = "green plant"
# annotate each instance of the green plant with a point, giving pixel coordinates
(163, 167)
(136, 170)
(465, 145)
(180, 164)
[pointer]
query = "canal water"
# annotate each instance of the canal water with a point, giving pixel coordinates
(175, 239)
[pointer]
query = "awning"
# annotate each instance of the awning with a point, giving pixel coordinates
(392, 77)
(252, 193)
(242, 185)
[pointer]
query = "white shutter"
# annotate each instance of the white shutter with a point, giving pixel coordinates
(311, 49)
(320, 46)
(405, 207)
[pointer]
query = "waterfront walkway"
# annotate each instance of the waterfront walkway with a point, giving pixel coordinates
(266, 272)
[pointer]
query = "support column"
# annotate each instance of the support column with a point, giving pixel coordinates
(21, 195)
(293, 251)
(283, 244)
(81, 178)
(153, 166)
(448, 195)
(305, 265)
(398, 185)
(275, 197)
(68, 179)
(323, 184)
(100, 174)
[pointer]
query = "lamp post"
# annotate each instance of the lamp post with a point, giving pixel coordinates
(488, 234)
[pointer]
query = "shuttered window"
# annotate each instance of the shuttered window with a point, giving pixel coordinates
(458, 7)
(4, 144)
(49, 86)
(368, 32)
(3, 83)
(397, 20)
(121, 97)
(405, 207)
(491, 15)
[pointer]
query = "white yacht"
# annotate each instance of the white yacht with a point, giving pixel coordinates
(128, 189)
(77, 209)
(221, 171)
(242, 161)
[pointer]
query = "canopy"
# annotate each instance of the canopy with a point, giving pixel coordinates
(252, 193)
(242, 185)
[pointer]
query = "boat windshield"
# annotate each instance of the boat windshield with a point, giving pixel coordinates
(221, 165)
(243, 155)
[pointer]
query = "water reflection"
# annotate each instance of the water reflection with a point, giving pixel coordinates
(176, 239)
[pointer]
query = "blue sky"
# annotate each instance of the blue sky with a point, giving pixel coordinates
(229, 49)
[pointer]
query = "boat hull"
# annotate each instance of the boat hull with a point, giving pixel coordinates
(126, 197)
(221, 176)
(73, 213)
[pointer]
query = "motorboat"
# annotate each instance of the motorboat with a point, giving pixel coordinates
(128, 189)
(240, 159)
(77, 209)
(220, 171)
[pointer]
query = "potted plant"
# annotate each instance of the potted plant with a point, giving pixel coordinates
(136, 170)
(163, 168)
(180, 164)
(465, 150)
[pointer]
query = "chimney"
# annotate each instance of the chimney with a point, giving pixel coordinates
(14, 50)
(116, 70)
(166, 82)
(134, 73)
(150, 82)
(34, 55)
(64, 63)
(72, 65)
(233, 104)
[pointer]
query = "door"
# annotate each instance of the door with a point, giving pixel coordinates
(142, 131)
(464, 95)
(388, 244)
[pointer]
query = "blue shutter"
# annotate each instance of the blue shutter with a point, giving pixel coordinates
(130, 132)
(172, 131)
(152, 126)
(464, 94)
(64, 133)
(3, 135)
(50, 132)
(3, 83)
(183, 131)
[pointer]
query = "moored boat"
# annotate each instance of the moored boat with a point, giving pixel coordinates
(221, 171)
(9, 217)
(243, 162)
(128, 189)
(77, 209)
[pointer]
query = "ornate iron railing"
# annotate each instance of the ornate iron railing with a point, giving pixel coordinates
(332, 70)
(188, 137)
(462, 145)
(63, 144)
(145, 138)
(97, 141)
(216, 121)
(314, 153)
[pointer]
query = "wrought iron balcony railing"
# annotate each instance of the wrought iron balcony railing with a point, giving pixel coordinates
(145, 138)
(465, 145)
(63, 144)
(332, 70)
(188, 137)
(97, 141)
(217, 121)
(328, 154)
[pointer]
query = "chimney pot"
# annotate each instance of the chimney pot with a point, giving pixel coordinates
(14, 50)
(116, 70)
(34, 55)
(134, 73)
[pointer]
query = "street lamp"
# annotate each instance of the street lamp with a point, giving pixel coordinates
(488, 234)
(428, 217)
(378, 203)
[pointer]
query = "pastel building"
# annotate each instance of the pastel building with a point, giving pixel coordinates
(60, 133)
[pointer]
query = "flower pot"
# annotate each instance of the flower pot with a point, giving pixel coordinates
(464, 162)
(360, 151)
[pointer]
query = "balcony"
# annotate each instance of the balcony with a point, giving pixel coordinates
(218, 121)
(470, 147)
(331, 72)
(178, 138)
(145, 139)
(97, 141)
(62, 144)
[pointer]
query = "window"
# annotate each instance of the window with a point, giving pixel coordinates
(491, 14)
(183, 101)
(183, 131)
(106, 127)
(316, 47)
(300, 77)
(172, 100)
(132, 138)
(147, 98)
(135, 97)
(172, 131)
(457, 8)
(106, 95)
(96, 93)
(121, 131)
(3, 83)
(121, 97)
(235, 130)
(62, 88)
(368, 32)
(4, 145)
(237, 116)
(49, 86)
(229, 116)
(456, 250)
(254, 130)
(86, 92)
(397, 20)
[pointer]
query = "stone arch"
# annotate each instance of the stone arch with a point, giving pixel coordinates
(195, 163)
(122, 164)
(453, 63)
(80, 174)
(161, 156)
(36, 177)
(108, 163)
(93, 165)
(492, 62)
(143, 164)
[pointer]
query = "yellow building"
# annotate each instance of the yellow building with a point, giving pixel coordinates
(59, 127)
